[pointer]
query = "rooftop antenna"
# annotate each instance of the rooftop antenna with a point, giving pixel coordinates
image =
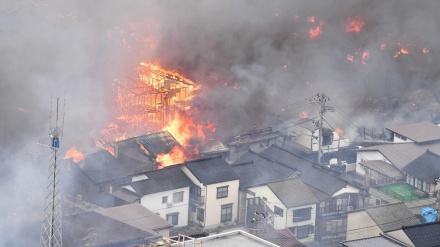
(51, 228)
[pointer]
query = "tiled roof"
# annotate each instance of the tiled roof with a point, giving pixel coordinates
(168, 178)
(106, 231)
(137, 216)
(255, 136)
(282, 238)
(211, 170)
(418, 132)
(292, 192)
(426, 235)
(155, 143)
(379, 241)
(382, 167)
(401, 154)
(392, 216)
(102, 166)
(426, 167)
(125, 195)
(311, 174)
(254, 169)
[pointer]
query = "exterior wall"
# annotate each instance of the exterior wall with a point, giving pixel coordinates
(213, 205)
(360, 225)
(400, 139)
(154, 203)
(279, 222)
(337, 143)
(347, 189)
(365, 156)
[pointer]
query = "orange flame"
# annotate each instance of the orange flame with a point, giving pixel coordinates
(350, 57)
(74, 154)
(311, 19)
(176, 155)
(303, 114)
(365, 55)
(339, 131)
(425, 50)
(315, 32)
(354, 24)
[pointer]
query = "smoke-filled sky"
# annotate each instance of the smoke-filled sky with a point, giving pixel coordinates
(253, 58)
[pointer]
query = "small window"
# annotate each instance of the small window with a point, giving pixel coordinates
(178, 197)
(226, 213)
(201, 214)
(278, 211)
(302, 214)
(222, 192)
(164, 199)
(173, 218)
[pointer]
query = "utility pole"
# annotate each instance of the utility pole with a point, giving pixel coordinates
(51, 228)
(321, 99)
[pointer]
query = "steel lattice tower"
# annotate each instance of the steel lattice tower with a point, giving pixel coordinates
(51, 228)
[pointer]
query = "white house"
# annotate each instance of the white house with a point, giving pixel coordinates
(293, 204)
(214, 199)
(165, 192)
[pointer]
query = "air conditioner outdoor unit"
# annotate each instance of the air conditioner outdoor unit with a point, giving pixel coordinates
(169, 205)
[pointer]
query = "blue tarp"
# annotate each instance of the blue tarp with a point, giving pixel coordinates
(430, 214)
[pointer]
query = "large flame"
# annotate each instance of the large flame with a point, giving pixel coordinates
(175, 156)
(74, 154)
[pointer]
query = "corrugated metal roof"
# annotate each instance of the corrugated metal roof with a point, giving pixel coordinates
(137, 216)
(293, 192)
(125, 195)
(426, 167)
(418, 132)
(159, 143)
(379, 241)
(392, 216)
(211, 170)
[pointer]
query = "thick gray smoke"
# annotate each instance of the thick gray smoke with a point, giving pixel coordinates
(253, 59)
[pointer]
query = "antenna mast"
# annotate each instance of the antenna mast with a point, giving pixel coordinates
(51, 229)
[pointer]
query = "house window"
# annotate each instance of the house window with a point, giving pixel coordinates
(278, 211)
(202, 200)
(178, 197)
(201, 214)
(424, 187)
(173, 218)
(222, 192)
(226, 213)
(164, 199)
(101, 189)
(302, 214)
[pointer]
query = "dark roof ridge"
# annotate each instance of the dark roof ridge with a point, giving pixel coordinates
(203, 159)
(243, 163)
(283, 179)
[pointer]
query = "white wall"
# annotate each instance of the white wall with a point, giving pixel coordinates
(272, 200)
(213, 205)
(154, 203)
(398, 139)
(348, 189)
(368, 156)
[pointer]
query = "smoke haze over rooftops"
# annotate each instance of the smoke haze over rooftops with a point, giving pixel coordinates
(253, 58)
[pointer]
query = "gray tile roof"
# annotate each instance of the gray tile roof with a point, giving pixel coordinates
(102, 166)
(418, 132)
(168, 178)
(292, 192)
(382, 167)
(155, 143)
(106, 231)
(426, 167)
(137, 216)
(401, 154)
(211, 170)
(379, 241)
(424, 235)
(311, 174)
(254, 169)
(392, 216)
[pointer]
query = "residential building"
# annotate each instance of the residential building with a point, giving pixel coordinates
(421, 132)
(424, 172)
(166, 192)
(421, 235)
(214, 195)
(376, 220)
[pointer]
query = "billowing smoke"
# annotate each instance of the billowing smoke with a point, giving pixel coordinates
(253, 58)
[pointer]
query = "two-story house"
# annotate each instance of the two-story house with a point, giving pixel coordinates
(214, 195)
(166, 192)
(424, 172)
